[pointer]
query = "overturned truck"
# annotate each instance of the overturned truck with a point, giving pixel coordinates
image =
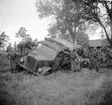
(51, 55)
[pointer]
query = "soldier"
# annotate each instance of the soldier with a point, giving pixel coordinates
(75, 63)
(94, 59)
(9, 48)
(12, 57)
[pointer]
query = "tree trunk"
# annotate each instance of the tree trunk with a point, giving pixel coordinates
(72, 35)
(111, 30)
(109, 39)
(73, 32)
(110, 15)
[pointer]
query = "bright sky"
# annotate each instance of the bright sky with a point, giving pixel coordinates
(17, 13)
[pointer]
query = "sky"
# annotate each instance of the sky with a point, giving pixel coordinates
(17, 13)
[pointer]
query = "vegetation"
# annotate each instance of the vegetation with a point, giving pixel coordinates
(82, 39)
(84, 88)
(66, 15)
(87, 80)
(97, 12)
(22, 33)
(73, 15)
(3, 39)
(26, 42)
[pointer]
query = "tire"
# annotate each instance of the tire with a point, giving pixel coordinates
(45, 70)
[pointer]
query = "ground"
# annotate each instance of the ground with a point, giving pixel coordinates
(60, 88)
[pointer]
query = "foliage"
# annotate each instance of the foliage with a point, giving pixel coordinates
(52, 30)
(25, 46)
(97, 11)
(66, 13)
(22, 33)
(29, 43)
(85, 88)
(82, 39)
(71, 16)
(26, 42)
(47, 8)
(3, 38)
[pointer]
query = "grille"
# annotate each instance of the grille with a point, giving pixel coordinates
(30, 62)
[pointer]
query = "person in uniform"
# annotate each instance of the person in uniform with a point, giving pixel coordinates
(12, 57)
(75, 63)
(94, 59)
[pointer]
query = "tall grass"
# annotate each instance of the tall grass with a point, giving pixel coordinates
(101, 95)
(56, 89)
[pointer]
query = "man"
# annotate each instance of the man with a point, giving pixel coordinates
(12, 57)
(75, 61)
(94, 59)
(9, 48)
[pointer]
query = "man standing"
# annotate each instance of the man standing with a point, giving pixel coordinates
(12, 57)
(94, 59)
(75, 63)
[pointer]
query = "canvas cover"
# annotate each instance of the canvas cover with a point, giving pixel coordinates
(66, 43)
(44, 52)
(52, 45)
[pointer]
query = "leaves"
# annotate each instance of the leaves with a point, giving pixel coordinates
(3, 38)
(26, 43)
(47, 8)
(98, 11)
(82, 39)
(67, 16)
(22, 33)
(53, 29)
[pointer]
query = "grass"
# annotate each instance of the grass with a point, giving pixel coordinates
(100, 96)
(74, 88)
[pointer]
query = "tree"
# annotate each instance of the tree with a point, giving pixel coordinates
(29, 43)
(25, 46)
(66, 13)
(82, 39)
(26, 43)
(98, 11)
(3, 39)
(52, 30)
(22, 33)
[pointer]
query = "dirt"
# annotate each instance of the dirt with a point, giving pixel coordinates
(56, 89)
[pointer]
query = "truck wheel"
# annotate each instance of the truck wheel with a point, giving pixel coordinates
(45, 70)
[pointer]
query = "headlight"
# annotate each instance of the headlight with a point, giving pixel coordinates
(40, 70)
(22, 60)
